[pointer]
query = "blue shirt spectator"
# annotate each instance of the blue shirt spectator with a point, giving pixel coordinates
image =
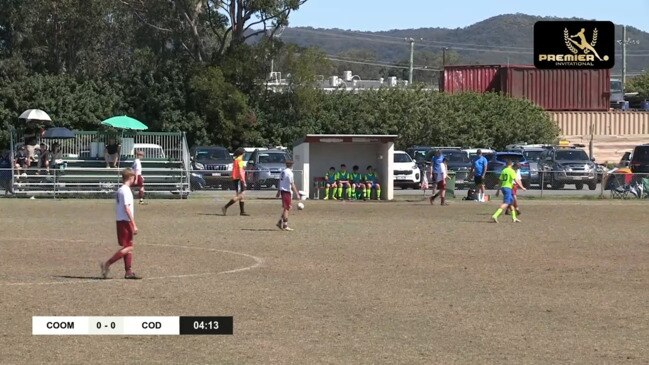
(438, 159)
(479, 165)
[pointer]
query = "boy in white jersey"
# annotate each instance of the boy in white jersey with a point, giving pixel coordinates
(286, 189)
(126, 227)
(139, 179)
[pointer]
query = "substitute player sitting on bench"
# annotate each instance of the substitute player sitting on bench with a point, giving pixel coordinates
(358, 187)
(372, 182)
(343, 182)
(330, 183)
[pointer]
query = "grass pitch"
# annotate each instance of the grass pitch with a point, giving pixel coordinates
(355, 283)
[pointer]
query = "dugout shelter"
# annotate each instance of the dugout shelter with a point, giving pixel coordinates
(315, 153)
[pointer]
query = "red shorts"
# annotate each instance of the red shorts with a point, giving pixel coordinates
(124, 233)
(139, 181)
(441, 185)
(287, 198)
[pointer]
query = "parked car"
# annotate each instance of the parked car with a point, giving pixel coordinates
(473, 152)
(248, 152)
(532, 155)
(639, 159)
(213, 163)
(459, 162)
(561, 166)
(151, 150)
(264, 167)
(196, 181)
(498, 162)
(406, 172)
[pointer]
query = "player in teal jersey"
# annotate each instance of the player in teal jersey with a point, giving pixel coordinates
(372, 182)
(507, 180)
(342, 182)
(330, 183)
(357, 183)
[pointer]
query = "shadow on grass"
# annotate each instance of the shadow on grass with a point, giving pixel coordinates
(79, 277)
(260, 230)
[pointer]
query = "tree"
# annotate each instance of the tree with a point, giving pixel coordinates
(639, 84)
(207, 29)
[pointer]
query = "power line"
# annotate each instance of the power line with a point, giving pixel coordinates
(419, 68)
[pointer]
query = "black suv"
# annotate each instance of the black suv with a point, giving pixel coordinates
(639, 162)
(560, 166)
(213, 163)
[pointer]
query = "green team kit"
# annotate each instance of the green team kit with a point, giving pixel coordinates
(356, 184)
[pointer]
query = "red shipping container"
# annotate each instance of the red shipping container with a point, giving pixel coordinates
(475, 78)
(579, 90)
(557, 90)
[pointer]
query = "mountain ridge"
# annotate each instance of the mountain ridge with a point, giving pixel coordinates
(501, 39)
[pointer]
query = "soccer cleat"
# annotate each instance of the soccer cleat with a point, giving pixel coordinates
(224, 210)
(280, 225)
(132, 276)
(516, 220)
(287, 228)
(494, 218)
(326, 198)
(518, 212)
(432, 199)
(244, 214)
(104, 270)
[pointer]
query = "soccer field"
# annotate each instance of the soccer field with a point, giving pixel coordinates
(355, 283)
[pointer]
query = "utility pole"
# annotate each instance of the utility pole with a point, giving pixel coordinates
(444, 57)
(412, 58)
(624, 42)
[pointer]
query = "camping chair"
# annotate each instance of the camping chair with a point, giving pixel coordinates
(620, 185)
(645, 188)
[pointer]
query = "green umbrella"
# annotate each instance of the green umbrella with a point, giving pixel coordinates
(124, 122)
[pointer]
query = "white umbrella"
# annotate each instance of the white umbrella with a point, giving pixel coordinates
(35, 114)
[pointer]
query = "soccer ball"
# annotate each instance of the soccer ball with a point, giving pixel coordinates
(300, 206)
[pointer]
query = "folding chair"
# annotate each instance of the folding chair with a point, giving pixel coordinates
(620, 185)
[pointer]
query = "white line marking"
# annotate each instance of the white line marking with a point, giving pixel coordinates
(258, 263)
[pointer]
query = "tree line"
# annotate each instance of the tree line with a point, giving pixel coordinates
(200, 66)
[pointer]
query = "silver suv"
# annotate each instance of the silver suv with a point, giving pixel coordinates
(560, 166)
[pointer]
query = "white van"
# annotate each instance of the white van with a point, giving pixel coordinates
(151, 150)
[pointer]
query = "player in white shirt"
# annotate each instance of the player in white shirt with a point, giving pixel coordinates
(440, 180)
(139, 179)
(286, 189)
(126, 227)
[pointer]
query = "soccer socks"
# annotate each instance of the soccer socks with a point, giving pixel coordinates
(230, 203)
(498, 213)
(339, 192)
(128, 260)
(513, 214)
(378, 194)
(241, 207)
(326, 193)
(363, 191)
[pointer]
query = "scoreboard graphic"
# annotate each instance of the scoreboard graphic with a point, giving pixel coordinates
(136, 326)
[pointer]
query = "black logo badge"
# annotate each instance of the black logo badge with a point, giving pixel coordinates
(574, 44)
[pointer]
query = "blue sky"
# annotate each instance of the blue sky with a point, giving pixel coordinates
(374, 15)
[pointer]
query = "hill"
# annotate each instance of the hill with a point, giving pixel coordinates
(498, 40)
